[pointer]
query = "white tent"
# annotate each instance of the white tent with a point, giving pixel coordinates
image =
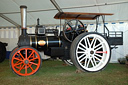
(45, 10)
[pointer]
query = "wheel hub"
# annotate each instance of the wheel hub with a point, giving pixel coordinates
(26, 61)
(91, 52)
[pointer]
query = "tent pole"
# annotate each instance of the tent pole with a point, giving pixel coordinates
(56, 5)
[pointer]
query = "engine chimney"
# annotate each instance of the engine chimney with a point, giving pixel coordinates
(23, 10)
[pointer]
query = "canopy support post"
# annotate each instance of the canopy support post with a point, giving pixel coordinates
(105, 27)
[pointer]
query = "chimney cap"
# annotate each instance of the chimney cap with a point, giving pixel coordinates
(23, 6)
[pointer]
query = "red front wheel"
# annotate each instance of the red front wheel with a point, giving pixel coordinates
(25, 61)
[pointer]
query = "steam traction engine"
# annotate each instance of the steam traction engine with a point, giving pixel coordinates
(89, 51)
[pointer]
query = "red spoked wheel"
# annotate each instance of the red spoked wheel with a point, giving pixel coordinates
(25, 61)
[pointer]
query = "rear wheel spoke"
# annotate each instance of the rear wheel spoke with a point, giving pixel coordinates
(85, 40)
(88, 62)
(82, 52)
(82, 59)
(82, 49)
(99, 48)
(98, 59)
(81, 56)
(99, 44)
(93, 40)
(92, 63)
(83, 45)
(85, 62)
(88, 42)
(98, 55)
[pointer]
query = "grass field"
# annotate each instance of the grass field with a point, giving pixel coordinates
(57, 73)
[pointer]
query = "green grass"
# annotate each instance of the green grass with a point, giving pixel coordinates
(56, 73)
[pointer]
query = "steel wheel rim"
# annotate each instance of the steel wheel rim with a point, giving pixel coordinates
(25, 64)
(92, 56)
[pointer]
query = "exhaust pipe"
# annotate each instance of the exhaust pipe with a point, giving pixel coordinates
(23, 10)
(24, 39)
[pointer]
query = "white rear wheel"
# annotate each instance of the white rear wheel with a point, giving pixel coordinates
(90, 52)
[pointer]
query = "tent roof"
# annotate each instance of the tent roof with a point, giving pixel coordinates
(45, 10)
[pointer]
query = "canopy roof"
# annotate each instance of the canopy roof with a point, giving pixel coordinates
(78, 15)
